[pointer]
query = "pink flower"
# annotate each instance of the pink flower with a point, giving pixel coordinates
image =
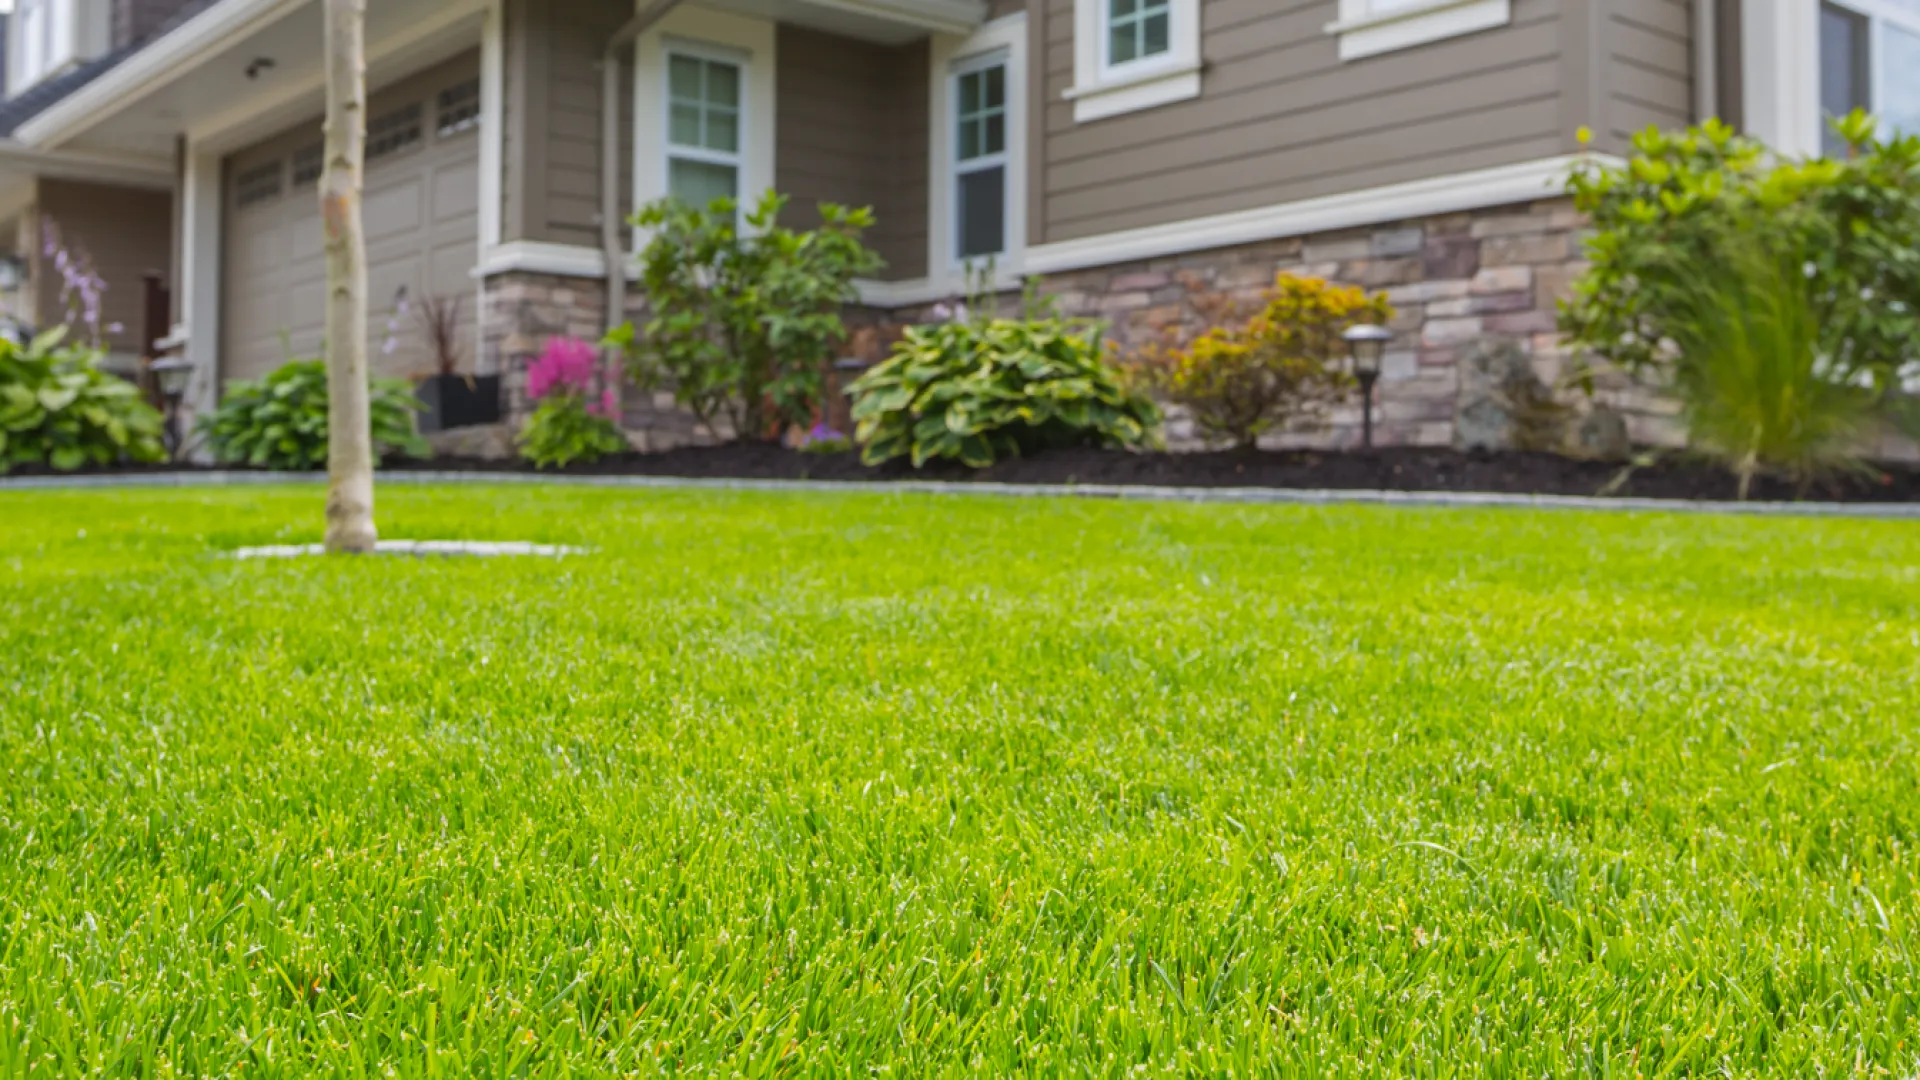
(565, 367)
(605, 407)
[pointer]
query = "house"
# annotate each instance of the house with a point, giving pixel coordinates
(1129, 151)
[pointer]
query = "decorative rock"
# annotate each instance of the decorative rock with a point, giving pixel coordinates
(1601, 435)
(486, 442)
(1503, 404)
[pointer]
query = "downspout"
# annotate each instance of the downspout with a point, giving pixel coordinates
(610, 247)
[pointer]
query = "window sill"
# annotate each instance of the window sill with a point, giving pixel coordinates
(1373, 35)
(1163, 85)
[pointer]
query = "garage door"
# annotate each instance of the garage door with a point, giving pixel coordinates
(421, 211)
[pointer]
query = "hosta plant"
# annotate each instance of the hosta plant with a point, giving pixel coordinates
(279, 421)
(58, 408)
(979, 391)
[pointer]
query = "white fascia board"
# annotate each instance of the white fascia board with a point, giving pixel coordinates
(175, 53)
(124, 169)
(938, 16)
(1481, 188)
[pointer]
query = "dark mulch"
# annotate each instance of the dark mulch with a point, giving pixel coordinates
(1672, 477)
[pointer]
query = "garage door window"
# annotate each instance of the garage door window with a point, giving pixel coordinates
(457, 108)
(394, 131)
(256, 185)
(703, 127)
(307, 165)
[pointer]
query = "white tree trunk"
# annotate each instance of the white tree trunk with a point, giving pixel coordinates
(349, 423)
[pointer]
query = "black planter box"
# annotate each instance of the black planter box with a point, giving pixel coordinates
(457, 401)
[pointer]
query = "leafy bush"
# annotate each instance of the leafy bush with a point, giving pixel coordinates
(568, 425)
(1666, 220)
(279, 421)
(1245, 378)
(58, 408)
(979, 391)
(1758, 392)
(745, 320)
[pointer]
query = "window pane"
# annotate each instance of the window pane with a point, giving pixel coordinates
(1123, 8)
(983, 212)
(723, 84)
(1120, 47)
(996, 87)
(1900, 53)
(970, 93)
(1843, 68)
(683, 77)
(723, 130)
(1154, 35)
(683, 128)
(995, 140)
(700, 182)
(969, 139)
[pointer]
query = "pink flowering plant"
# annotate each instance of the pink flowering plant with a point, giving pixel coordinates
(570, 422)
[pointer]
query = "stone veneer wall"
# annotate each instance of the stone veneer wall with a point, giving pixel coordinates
(1455, 280)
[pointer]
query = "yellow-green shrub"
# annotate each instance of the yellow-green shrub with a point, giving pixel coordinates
(1248, 375)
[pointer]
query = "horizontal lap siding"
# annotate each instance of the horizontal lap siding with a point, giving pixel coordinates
(1648, 53)
(853, 131)
(1280, 117)
(576, 33)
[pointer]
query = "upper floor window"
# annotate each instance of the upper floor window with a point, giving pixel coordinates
(1855, 74)
(48, 36)
(1133, 54)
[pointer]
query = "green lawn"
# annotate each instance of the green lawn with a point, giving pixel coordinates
(823, 784)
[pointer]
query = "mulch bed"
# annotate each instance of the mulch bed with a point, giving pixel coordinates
(1672, 477)
(1518, 473)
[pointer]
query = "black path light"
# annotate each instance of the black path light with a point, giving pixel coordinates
(171, 375)
(1366, 345)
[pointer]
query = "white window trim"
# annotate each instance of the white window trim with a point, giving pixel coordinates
(1007, 36)
(1781, 76)
(1367, 30)
(1101, 90)
(720, 36)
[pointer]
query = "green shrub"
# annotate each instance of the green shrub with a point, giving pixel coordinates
(1758, 393)
(58, 408)
(979, 391)
(565, 429)
(280, 421)
(744, 321)
(1666, 219)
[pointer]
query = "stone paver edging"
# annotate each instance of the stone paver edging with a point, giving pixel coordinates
(1297, 496)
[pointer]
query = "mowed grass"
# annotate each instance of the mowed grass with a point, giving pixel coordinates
(861, 784)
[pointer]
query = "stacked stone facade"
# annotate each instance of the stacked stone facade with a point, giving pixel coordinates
(1458, 283)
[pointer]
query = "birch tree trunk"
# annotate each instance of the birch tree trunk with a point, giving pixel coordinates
(349, 425)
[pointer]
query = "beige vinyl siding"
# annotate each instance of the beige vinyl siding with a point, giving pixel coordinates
(1280, 118)
(552, 183)
(1648, 50)
(125, 233)
(853, 130)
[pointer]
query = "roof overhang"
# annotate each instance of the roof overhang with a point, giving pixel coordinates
(19, 159)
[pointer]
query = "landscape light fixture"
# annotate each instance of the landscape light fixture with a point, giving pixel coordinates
(1366, 345)
(171, 375)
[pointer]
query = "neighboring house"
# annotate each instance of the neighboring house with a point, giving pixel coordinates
(110, 208)
(1127, 150)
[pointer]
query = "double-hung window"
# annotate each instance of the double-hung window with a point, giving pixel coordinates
(1870, 59)
(980, 158)
(1133, 54)
(703, 126)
